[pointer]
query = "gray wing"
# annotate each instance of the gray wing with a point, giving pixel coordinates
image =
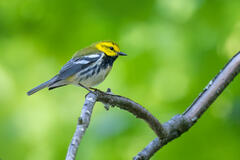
(77, 64)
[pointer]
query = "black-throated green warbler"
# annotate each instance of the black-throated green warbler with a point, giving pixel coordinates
(87, 68)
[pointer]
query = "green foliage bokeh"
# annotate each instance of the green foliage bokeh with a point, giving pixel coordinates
(174, 47)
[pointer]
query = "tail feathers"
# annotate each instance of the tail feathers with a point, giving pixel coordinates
(41, 86)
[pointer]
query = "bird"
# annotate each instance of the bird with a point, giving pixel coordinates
(87, 68)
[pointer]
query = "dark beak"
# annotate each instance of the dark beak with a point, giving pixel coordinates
(122, 54)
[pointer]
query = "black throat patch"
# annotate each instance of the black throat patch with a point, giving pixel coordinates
(108, 61)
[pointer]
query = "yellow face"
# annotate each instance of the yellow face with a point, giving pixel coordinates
(108, 47)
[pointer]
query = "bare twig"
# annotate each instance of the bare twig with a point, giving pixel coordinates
(132, 107)
(214, 89)
(181, 123)
(82, 125)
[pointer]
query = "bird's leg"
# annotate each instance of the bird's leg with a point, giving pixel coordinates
(85, 87)
(95, 89)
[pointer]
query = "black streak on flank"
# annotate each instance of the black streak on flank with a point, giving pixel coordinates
(98, 70)
(93, 72)
(88, 70)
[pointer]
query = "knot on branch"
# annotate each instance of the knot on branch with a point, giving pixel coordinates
(107, 105)
(177, 125)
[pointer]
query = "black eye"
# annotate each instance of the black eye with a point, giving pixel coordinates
(111, 48)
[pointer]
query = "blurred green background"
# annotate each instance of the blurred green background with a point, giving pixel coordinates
(174, 47)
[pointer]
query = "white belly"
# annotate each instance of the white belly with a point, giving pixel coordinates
(95, 79)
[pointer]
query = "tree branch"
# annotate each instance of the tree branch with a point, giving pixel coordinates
(169, 130)
(181, 123)
(82, 125)
(132, 107)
